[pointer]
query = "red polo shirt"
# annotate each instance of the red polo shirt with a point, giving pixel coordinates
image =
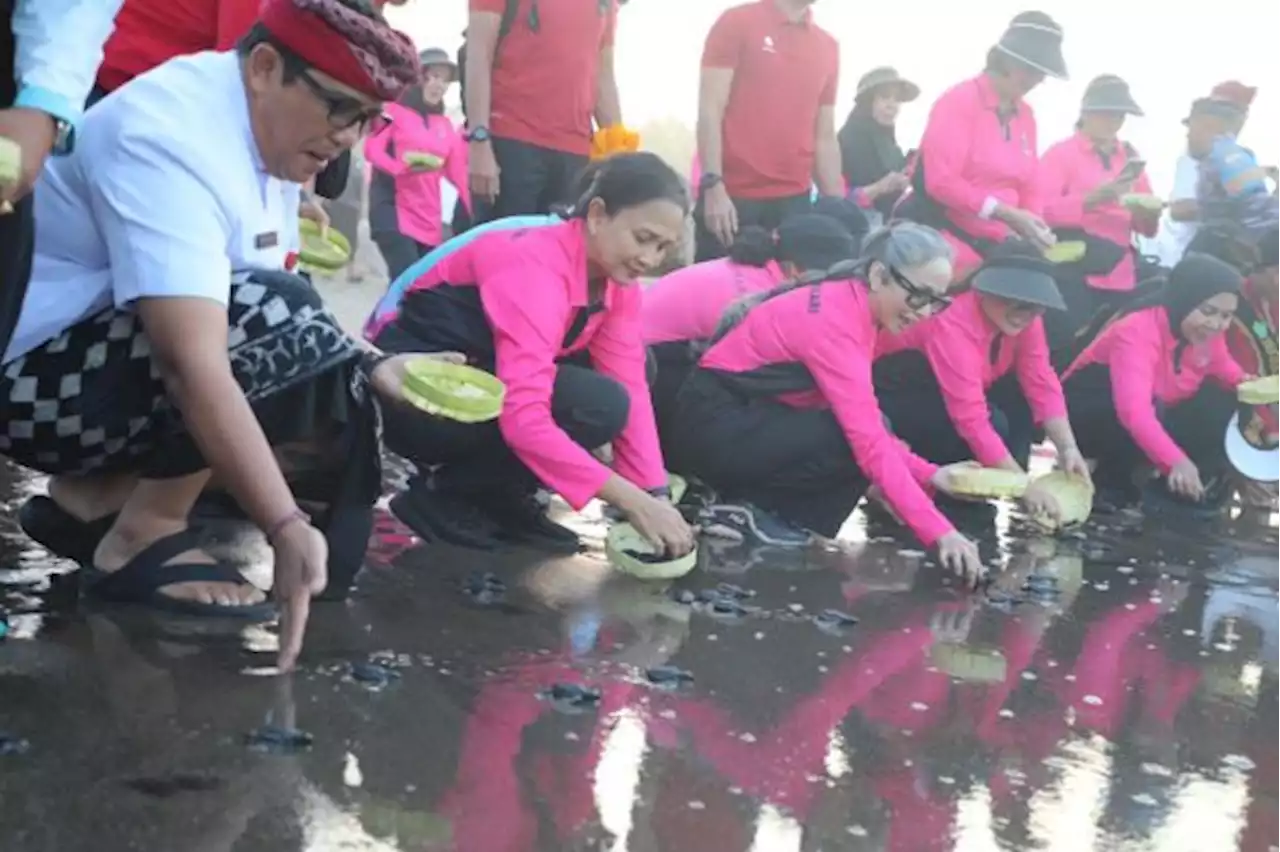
(544, 82)
(784, 71)
(151, 32)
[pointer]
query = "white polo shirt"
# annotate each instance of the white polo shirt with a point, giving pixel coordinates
(164, 195)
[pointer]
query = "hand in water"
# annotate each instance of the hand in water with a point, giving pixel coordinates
(1040, 501)
(661, 523)
(1184, 480)
(960, 556)
(301, 571)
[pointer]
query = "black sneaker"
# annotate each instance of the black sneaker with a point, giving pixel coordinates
(439, 515)
(520, 518)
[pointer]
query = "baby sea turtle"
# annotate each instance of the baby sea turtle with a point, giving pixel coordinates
(731, 608)
(11, 745)
(484, 587)
(1040, 585)
(573, 697)
(373, 675)
(668, 676)
(274, 739)
(834, 619)
(729, 590)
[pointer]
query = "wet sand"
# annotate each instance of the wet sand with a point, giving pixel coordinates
(1115, 689)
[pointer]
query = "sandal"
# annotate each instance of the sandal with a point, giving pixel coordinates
(142, 578)
(60, 532)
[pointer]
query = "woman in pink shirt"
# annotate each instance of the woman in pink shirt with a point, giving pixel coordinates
(975, 176)
(405, 219)
(1082, 180)
(681, 310)
(975, 381)
(528, 304)
(780, 416)
(1140, 394)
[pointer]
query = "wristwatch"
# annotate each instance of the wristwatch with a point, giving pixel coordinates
(63, 135)
(709, 179)
(478, 134)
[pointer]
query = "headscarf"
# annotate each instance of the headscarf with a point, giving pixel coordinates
(1196, 279)
(355, 49)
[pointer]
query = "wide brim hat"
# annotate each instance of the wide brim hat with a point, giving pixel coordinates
(887, 77)
(1028, 280)
(438, 56)
(1035, 40)
(1109, 93)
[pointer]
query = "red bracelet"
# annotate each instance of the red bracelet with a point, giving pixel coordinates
(295, 514)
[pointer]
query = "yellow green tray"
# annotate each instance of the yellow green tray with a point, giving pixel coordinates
(973, 481)
(622, 544)
(1075, 498)
(1260, 391)
(1069, 251)
(422, 158)
(325, 253)
(968, 663)
(1142, 201)
(454, 391)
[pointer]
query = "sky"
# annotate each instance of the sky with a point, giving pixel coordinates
(1169, 54)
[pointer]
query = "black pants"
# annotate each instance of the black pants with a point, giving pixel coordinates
(793, 462)
(473, 458)
(399, 251)
(910, 398)
(767, 213)
(672, 363)
(1197, 425)
(532, 180)
(17, 240)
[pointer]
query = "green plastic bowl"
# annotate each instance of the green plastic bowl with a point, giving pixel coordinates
(1070, 251)
(624, 545)
(453, 391)
(325, 253)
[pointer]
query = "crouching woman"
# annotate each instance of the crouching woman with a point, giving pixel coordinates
(780, 416)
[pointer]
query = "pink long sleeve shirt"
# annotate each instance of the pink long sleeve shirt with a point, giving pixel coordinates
(532, 284)
(828, 329)
(1072, 169)
(688, 303)
(1139, 350)
(417, 193)
(975, 158)
(968, 355)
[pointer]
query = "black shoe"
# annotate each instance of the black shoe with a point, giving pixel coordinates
(436, 514)
(520, 518)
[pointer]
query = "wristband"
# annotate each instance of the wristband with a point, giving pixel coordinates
(295, 514)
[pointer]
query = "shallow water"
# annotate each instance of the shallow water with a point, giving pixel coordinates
(1112, 691)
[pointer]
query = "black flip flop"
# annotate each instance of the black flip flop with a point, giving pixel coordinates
(141, 580)
(60, 532)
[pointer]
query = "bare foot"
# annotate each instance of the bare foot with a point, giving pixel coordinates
(121, 545)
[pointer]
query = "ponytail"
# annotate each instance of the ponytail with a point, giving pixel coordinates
(754, 246)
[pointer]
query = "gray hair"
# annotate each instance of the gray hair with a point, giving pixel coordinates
(901, 245)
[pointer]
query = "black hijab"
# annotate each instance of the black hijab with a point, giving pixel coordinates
(1196, 279)
(869, 150)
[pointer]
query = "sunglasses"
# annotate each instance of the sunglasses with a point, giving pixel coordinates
(344, 110)
(918, 298)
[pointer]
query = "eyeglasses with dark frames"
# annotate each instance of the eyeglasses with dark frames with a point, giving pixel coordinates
(344, 110)
(918, 298)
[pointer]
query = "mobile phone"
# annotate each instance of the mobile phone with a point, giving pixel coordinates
(1131, 170)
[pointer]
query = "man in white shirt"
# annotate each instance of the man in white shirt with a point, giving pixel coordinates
(161, 337)
(49, 53)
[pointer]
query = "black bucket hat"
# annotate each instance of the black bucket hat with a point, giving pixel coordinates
(1019, 279)
(438, 56)
(887, 77)
(1109, 93)
(1035, 40)
(1228, 110)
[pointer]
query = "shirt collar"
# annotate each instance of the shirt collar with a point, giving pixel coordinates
(573, 238)
(991, 100)
(778, 16)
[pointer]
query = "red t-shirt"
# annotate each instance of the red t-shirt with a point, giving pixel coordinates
(545, 82)
(151, 32)
(784, 72)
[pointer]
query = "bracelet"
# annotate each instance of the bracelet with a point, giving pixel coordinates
(295, 514)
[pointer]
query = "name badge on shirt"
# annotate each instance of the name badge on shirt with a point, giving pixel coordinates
(265, 241)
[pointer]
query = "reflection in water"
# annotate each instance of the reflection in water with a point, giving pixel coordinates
(1101, 694)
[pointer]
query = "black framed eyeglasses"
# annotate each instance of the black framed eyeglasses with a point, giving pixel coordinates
(918, 298)
(344, 110)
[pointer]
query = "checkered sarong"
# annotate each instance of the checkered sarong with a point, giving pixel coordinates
(92, 398)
